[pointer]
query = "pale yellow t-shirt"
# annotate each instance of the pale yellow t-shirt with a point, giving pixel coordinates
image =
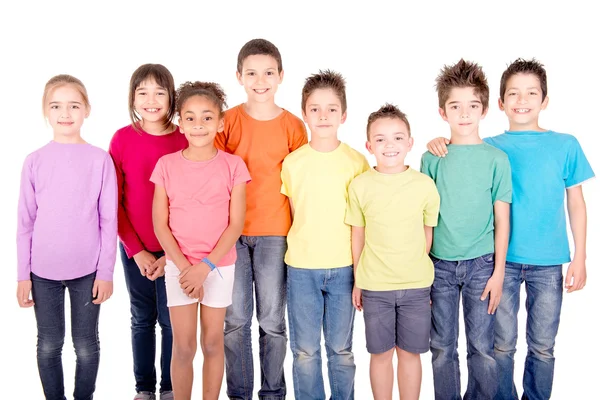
(393, 208)
(317, 184)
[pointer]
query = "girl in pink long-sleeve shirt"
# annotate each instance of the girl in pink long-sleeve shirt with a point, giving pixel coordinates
(66, 238)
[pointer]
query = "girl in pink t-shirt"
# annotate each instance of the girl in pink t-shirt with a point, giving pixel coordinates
(198, 213)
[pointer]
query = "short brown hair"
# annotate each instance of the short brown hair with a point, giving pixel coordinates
(521, 66)
(210, 90)
(163, 78)
(64, 80)
(463, 74)
(386, 111)
(259, 47)
(327, 79)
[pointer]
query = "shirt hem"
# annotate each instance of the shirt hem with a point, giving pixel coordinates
(538, 263)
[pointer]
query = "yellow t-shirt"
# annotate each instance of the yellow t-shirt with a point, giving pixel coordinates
(393, 208)
(317, 184)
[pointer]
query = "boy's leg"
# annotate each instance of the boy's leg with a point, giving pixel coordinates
(184, 322)
(338, 324)
(166, 333)
(305, 314)
(84, 331)
(49, 306)
(445, 295)
(269, 272)
(413, 327)
(239, 366)
(142, 298)
(380, 331)
(479, 330)
(544, 301)
(506, 330)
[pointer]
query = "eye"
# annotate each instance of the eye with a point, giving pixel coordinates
(141, 93)
(250, 73)
(161, 94)
(270, 73)
(75, 107)
(333, 109)
(189, 119)
(399, 138)
(207, 119)
(313, 110)
(379, 140)
(475, 106)
(511, 94)
(454, 107)
(54, 107)
(533, 93)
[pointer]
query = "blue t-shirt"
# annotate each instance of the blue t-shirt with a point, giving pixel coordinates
(544, 165)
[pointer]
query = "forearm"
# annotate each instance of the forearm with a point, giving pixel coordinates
(127, 234)
(578, 221)
(170, 246)
(227, 240)
(428, 238)
(501, 233)
(358, 245)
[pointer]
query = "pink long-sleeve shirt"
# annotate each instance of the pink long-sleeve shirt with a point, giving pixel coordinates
(67, 214)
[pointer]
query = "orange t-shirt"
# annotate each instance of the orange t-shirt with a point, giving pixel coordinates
(263, 145)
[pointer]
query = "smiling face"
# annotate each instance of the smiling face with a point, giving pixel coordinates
(323, 113)
(66, 110)
(522, 102)
(390, 142)
(200, 121)
(463, 110)
(151, 101)
(260, 77)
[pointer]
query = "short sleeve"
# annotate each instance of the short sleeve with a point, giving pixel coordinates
(158, 175)
(425, 165)
(240, 172)
(286, 179)
(297, 135)
(502, 182)
(432, 206)
(354, 212)
(577, 168)
(365, 166)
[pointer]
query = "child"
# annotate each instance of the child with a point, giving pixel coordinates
(319, 257)
(66, 238)
(471, 238)
(135, 150)
(392, 210)
(262, 133)
(544, 165)
(198, 213)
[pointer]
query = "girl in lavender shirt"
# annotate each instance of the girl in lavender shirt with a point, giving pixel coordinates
(66, 238)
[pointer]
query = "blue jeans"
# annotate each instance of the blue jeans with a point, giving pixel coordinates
(259, 266)
(543, 286)
(148, 304)
(321, 299)
(49, 298)
(469, 278)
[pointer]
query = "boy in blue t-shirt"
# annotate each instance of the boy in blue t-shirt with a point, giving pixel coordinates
(544, 165)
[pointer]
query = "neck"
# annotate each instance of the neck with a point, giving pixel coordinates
(71, 139)
(533, 126)
(156, 128)
(471, 139)
(391, 170)
(203, 153)
(262, 111)
(324, 145)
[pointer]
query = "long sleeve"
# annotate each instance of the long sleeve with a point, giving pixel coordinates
(26, 214)
(107, 213)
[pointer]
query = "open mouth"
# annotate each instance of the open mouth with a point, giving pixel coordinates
(152, 110)
(521, 110)
(390, 154)
(260, 91)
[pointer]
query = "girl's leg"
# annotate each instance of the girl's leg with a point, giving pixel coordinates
(184, 322)
(49, 298)
(213, 350)
(409, 374)
(381, 372)
(84, 330)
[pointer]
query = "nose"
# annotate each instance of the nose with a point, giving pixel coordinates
(521, 98)
(322, 115)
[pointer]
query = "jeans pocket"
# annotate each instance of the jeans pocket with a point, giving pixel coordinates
(486, 259)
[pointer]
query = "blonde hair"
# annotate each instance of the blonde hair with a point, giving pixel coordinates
(64, 80)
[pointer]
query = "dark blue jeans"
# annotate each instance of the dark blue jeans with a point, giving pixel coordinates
(453, 279)
(543, 286)
(148, 302)
(49, 298)
(259, 266)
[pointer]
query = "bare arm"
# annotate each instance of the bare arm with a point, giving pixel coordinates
(428, 237)
(494, 285)
(576, 273)
(358, 244)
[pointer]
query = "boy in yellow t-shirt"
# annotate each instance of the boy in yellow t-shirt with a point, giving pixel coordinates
(392, 210)
(320, 277)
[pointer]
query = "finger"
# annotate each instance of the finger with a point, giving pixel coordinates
(98, 300)
(95, 289)
(493, 304)
(485, 293)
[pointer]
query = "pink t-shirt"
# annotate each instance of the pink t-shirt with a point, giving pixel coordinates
(199, 193)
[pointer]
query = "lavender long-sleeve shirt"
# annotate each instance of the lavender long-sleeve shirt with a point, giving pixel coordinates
(67, 215)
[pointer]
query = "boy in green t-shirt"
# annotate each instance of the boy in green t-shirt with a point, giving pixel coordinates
(392, 209)
(471, 239)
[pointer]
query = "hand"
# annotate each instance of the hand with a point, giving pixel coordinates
(157, 268)
(357, 298)
(494, 289)
(102, 291)
(193, 276)
(437, 146)
(197, 293)
(576, 276)
(24, 294)
(144, 260)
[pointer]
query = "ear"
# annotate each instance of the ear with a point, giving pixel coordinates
(239, 78)
(442, 114)
(344, 115)
(368, 146)
(411, 141)
(281, 77)
(89, 110)
(180, 127)
(304, 117)
(500, 104)
(485, 112)
(545, 102)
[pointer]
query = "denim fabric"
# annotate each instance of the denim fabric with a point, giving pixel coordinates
(453, 279)
(148, 305)
(259, 266)
(321, 299)
(543, 285)
(49, 298)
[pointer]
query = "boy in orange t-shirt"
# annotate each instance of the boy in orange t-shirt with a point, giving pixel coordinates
(262, 134)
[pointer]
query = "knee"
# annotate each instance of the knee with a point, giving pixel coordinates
(49, 347)
(184, 351)
(542, 349)
(212, 346)
(87, 347)
(383, 358)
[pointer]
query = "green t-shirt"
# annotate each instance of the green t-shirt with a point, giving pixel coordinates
(470, 179)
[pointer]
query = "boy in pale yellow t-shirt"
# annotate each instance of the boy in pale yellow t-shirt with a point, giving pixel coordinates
(392, 210)
(320, 276)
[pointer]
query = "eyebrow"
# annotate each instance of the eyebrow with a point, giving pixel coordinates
(529, 88)
(395, 133)
(267, 69)
(202, 112)
(470, 101)
(328, 105)
(68, 102)
(145, 88)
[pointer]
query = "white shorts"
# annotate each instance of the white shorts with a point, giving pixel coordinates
(218, 291)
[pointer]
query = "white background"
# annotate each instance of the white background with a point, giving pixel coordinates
(388, 52)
